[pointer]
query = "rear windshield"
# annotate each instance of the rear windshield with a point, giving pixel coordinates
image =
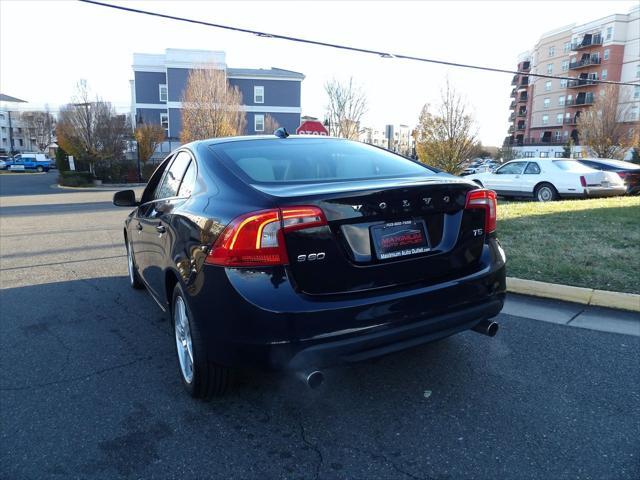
(572, 166)
(295, 160)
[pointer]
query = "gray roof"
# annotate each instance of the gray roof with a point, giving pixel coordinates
(8, 98)
(262, 72)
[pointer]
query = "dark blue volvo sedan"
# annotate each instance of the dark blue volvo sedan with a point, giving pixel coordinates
(302, 253)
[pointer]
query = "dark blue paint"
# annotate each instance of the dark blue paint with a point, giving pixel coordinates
(147, 86)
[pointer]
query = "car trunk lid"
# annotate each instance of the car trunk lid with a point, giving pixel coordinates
(382, 233)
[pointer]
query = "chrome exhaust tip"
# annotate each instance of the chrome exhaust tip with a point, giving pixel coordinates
(313, 379)
(487, 327)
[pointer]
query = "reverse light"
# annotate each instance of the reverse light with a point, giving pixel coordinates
(257, 238)
(487, 200)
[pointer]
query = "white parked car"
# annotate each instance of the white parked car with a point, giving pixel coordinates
(547, 179)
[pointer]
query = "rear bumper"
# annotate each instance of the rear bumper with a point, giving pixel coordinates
(254, 317)
(597, 192)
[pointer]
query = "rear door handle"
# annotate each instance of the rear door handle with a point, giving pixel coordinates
(161, 229)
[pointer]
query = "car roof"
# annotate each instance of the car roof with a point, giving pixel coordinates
(245, 138)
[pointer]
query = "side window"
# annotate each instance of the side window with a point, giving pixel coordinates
(155, 179)
(532, 168)
(171, 181)
(188, 181)
(514, 168)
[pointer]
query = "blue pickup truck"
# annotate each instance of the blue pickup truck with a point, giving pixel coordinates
(28, 161)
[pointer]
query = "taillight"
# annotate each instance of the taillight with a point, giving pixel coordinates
(256, 239)
(583, 181)
(622, 175)
(485, 199)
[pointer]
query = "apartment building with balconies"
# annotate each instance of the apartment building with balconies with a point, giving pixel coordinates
(605, 49)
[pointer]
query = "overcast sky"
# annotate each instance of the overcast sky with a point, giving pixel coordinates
(46, 47)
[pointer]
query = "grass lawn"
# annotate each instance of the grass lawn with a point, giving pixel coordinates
(586, 243)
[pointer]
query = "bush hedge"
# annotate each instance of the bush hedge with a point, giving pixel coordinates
(75, 179)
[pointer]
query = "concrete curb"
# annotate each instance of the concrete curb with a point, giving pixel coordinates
(585, 296)
(113, 186)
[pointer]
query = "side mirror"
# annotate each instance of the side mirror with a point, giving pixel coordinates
(125, 198)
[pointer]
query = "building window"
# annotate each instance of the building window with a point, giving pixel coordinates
(550, 68)
(638, 71)
(544, 154)
(1, 116)
(558, 154)
(552, 51)
(604, 74)
(609, 34)
(559, 119)
(164, 122)
(565, 65)
(563, 83)
(258, 123)
(636, 91)
(20, 142)
(545, 119)
(547, 86)
(546, 103)
(558, 135)
(561, 100)
(633, 113)
(164, 93)
(569, 99)
(566, 48)
(258, 94)
(606, 54)
(565, 134)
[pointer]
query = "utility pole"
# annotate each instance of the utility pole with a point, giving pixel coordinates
(139, 121)
(11, 149)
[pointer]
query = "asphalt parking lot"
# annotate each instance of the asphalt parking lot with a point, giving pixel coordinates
(89, 385)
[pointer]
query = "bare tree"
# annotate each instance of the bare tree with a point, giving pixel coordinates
(148, 136)
(270, 124)
(604, 128)
(90, 130)
(210, 106)
(347, 105)
(446, 137)
(41, 126)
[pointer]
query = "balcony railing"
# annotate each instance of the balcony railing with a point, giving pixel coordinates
(514, 80)
(522, 113)
(513, 93)
(521, 126)
(585, 62)
(512, 117)
(524, 82)
(570, 121)
(525, 67)
(523, 98)
(581, 100)
(582, 82)
(513, 105)
(587, 41)
(511, 129)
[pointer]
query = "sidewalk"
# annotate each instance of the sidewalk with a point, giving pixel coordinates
(573, 314)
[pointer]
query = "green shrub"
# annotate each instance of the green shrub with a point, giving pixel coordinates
(75, 179)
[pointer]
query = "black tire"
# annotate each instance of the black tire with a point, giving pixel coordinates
(208, 379)
(39, 169)
(545, 192)
(134, 277)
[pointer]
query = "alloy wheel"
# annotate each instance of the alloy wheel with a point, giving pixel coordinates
(183, 339)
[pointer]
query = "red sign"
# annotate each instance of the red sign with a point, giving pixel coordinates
(311, 127)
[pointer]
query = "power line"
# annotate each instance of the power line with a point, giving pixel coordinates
(343, 47)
